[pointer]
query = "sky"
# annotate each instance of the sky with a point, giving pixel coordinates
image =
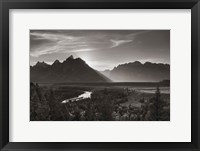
(100, 49)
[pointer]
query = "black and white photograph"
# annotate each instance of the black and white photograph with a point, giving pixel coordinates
(99, 75)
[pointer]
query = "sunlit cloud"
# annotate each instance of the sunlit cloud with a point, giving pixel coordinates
(100, 65)
(125, 39)
(116, 43)
(82, 50)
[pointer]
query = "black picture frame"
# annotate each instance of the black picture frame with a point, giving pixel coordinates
(5, 5)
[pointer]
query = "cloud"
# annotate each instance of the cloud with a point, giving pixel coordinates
(127, 38)
(47, 43)
(82, 50)
(42, 50)
(52, 36)
(42, 42)
(53, 41)
(116, 43)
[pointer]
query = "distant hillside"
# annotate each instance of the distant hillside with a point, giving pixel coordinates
(138, 72)
(70, 70)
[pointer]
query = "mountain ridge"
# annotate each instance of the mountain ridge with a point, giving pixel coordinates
(77, 70)
(138, 72)
(70, 70)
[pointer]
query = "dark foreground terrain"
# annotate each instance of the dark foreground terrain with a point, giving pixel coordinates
(100, 102)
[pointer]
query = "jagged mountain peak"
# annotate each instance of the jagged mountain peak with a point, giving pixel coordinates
(73, 60)
(71, 57)
(70, 70)
(80, 60)
(56, 61)
(41, 64)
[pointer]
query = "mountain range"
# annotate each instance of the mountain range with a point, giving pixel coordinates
(138, 72)
(77, 70)
(70, 70)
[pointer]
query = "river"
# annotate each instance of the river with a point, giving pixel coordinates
(85, 95)
(163, 90)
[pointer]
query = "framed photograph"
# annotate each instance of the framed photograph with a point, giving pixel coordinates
(91, 75)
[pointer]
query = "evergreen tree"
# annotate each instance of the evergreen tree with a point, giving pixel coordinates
(157, 104)
(154, 107)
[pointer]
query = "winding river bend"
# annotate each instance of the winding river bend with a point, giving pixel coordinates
(85, 95)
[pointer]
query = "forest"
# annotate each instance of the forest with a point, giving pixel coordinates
(105, 104)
